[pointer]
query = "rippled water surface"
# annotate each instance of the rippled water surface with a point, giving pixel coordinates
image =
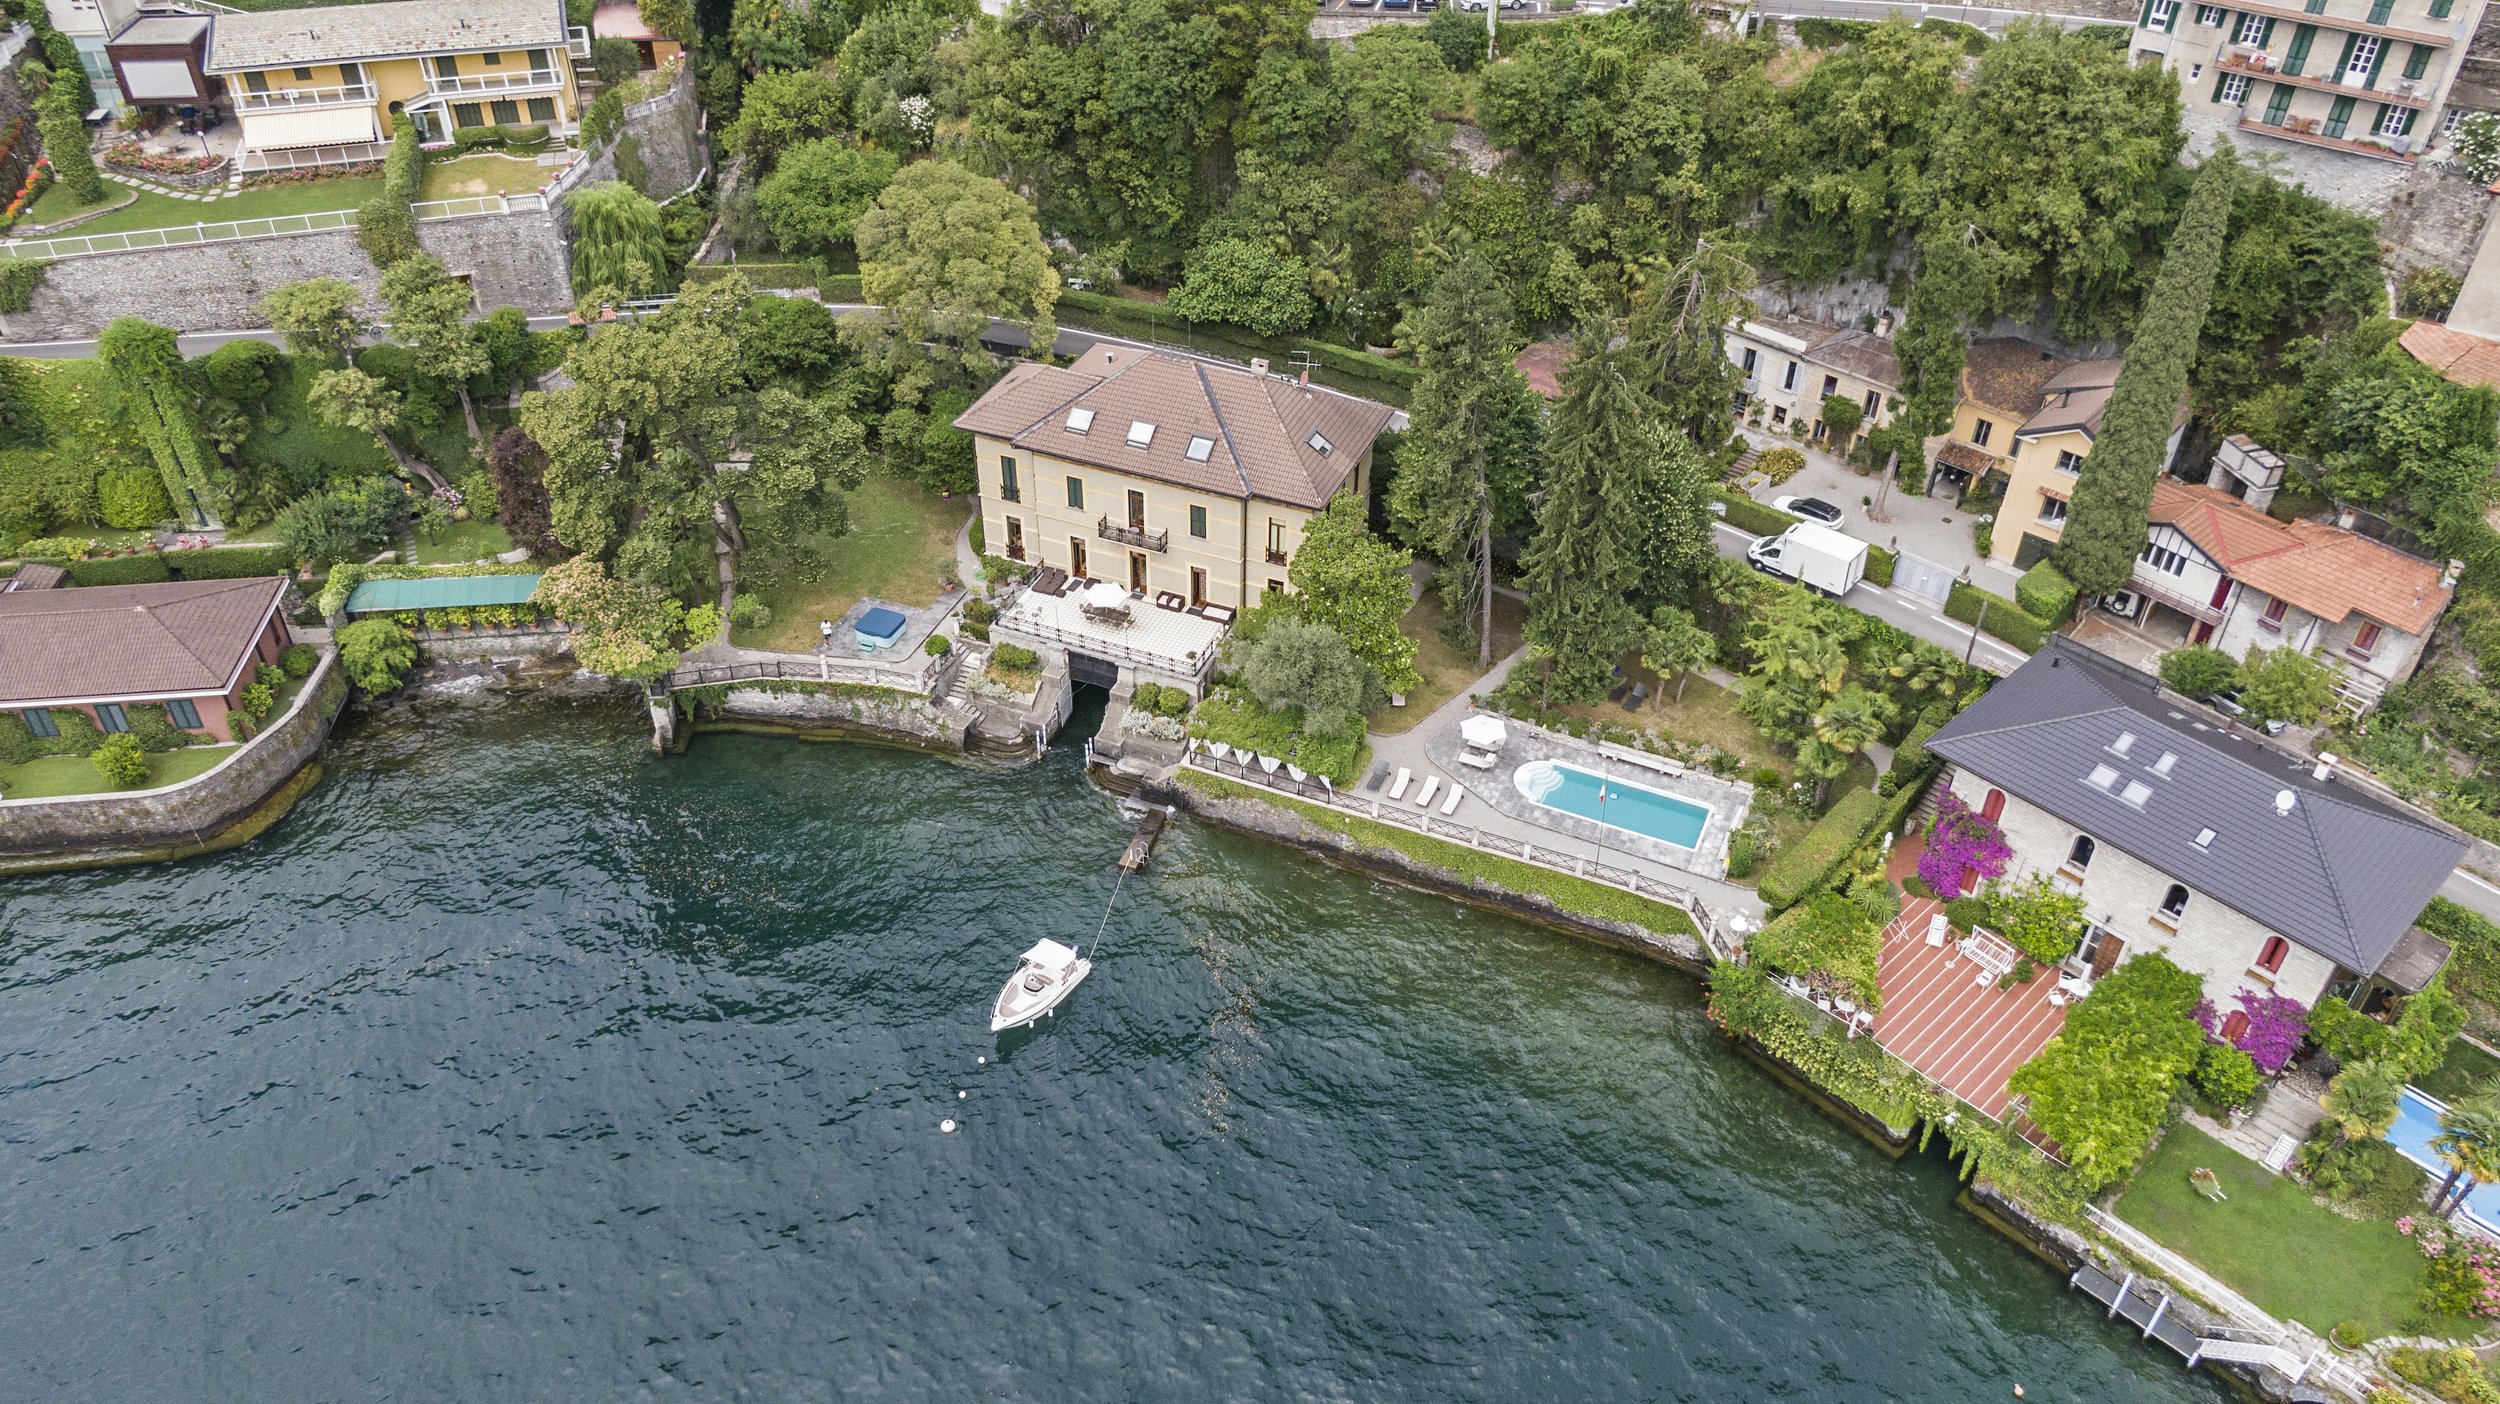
(518, 1064)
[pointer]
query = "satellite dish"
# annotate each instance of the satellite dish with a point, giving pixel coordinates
(2284, 800)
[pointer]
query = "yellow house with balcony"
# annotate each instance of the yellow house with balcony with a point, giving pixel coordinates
(322, 86)
(1185, 482)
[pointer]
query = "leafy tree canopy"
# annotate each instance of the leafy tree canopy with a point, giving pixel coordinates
(818, 191)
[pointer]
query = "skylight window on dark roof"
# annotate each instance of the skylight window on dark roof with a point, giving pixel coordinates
(1140, 433)
(2137, 793)
(1201, 448)
(2162, 767)
(2124, 743)
(1319, 443)
(2204, 838)
(2103, 778)
(1080, 420)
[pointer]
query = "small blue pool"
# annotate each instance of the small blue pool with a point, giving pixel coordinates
(2417, 1121)
(1614, 801)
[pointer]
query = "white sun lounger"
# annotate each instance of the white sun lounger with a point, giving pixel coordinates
(1479, 760)
(1432, 786)
(2280, 1154)
(1450, 806)
(1937, 927)
(1397, 787)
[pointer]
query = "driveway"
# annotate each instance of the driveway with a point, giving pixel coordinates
(1910, 613)
(1928, 528)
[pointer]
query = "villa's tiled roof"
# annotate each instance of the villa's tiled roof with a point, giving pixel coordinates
(241, 42)
(2324, 570)
(2341, 872)
(2007, 374)
(1269, 437)
(2467, 360)
(178, 639)
(1863, 354)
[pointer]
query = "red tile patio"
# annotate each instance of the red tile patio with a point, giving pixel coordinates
(1943, 1017)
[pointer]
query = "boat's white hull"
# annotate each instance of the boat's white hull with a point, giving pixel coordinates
(1018, 1006)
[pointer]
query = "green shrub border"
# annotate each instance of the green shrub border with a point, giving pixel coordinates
(1808, 863)
(2044, 592)
(1339, 367)
(2006, 619)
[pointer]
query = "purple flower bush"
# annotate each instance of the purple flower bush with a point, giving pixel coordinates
(1962, 841)
(2275, 1026)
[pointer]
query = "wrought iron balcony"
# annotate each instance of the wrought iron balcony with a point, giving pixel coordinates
(1134, 536)
(1275, 558)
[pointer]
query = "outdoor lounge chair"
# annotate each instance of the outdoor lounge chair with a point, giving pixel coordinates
(1397, 791)
(1450, 806)
(1480, 760)
(1937, 928)
(1380, 775)
(1432, 786)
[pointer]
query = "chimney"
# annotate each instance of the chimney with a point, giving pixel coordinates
(1258, 365)
(2344, 516)
(2325, 767)
(1883, 324)
(1306, 379)
(2284, 800)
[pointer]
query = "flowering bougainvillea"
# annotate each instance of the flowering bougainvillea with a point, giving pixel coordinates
(1963, 841)
(2463, 1278)
(2275, 1026)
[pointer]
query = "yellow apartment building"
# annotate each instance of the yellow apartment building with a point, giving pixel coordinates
(2026, 418)
(322, 86)
(1186, 482)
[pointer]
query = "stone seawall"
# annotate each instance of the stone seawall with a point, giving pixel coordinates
(227, 806)
(848, 714)
(514, 259)
(493, 646)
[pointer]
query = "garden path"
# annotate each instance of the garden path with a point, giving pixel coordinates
(2292, 1107)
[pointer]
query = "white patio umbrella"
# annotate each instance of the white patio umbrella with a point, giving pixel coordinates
(1296, 772)
(1220, 749)
(1269, 764)
(1484, 731)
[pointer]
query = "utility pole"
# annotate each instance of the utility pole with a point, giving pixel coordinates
(1973, 647)
(1883, 490)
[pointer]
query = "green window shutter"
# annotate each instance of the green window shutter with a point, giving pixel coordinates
(2316, 7)
(2345, 58)
(2145, 19)
(2174, 17)
(2378, 62)
(2339, 117)
(2298, 58)
(1076, 492)
(1198, 522)
(2219, 80)
(2418, 62)
(2439, 9)
(2380, 10)
(2265, 35)
(2278, 104)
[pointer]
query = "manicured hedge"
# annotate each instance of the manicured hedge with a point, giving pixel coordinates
(1911, 755)
(2044, 592)
(1808, 864)
(233, 562)
(1747, 515)
(146, 568)
(2006, 619)
(1339, 367)
(840, 287)
(771, 277)
(1879, 564)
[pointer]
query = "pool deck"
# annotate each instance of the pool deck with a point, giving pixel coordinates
(1727, 800)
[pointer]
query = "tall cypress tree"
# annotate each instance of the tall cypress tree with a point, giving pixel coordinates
(1444, 499)
(1586, 559)
(146, 364)
(2106, 528)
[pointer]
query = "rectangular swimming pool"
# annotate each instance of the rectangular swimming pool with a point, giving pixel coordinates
(1614, 802)
(2417, 1121)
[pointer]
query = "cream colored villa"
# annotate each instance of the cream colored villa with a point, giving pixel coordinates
(1185, 482)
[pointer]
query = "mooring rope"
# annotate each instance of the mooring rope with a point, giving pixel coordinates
(1107, 906)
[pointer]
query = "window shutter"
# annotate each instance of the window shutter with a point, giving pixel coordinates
(2344, 60)
(2173, 22)
(2298, 57)
(2418, 62)
(2378, 61)
(2145, 19)
(2265, 35)
(2439, 9)
(2219, 80)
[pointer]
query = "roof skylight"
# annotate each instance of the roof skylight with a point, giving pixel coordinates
(2124, 743)
(1140, 433)
(2137, 793)
(2103, 778)
(1080, 419)
(1200, 448)
(1319, 443)
(2204, 838)
(2162, 766)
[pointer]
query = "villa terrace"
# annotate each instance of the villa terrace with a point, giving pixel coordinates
(1944, 1015)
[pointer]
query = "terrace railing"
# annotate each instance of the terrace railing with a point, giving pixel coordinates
(1317, 790)
(531, 80)
(292, 99)
(236, 230)
(303, 157)
(918, 676)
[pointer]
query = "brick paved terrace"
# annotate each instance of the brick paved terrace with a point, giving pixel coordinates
(1944, 1015)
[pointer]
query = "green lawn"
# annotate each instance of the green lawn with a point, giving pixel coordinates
(2465, 1071)
(2275, 1244)
(1447, 671)
(153, 211)
(55, 204)
(76, 775)
(1707, 716)
(462, 542)
(900, 534)
(1232, 716)
(483, 174)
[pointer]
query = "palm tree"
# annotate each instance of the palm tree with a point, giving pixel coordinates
(2361, 1101)
(1923, 666)
(1677, 644)
(1847, 724)
(2469, 1142)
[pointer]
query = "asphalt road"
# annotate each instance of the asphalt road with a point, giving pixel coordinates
(1914, 614)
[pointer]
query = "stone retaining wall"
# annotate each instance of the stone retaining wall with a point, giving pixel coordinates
(493, 646)
(896, 716)
(191, 817)
(664, 136)
(514, 259)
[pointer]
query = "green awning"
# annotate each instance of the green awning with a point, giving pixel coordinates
(441, 592)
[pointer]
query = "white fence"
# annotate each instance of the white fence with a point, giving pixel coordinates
(1316, 790)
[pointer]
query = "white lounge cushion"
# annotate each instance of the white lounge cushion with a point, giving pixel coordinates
(1432, 786)
(1397, 787)
(1450, 806)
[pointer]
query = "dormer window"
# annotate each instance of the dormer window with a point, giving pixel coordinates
(1080, 420)
(2162, 767)
(1140, 433)
(1319, 444)
(1201, 448)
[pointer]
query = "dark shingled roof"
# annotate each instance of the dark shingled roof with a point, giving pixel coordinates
(2343, 873)
(179, 639)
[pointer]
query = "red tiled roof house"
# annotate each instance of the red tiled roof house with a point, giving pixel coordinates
(189, 646)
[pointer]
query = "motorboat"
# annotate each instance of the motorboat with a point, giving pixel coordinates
(1046, 975)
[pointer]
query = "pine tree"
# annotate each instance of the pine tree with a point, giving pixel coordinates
(2106, 528)
(1586, 559)
(1443, 499)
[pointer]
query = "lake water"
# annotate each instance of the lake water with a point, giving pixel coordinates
(519, 1064)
